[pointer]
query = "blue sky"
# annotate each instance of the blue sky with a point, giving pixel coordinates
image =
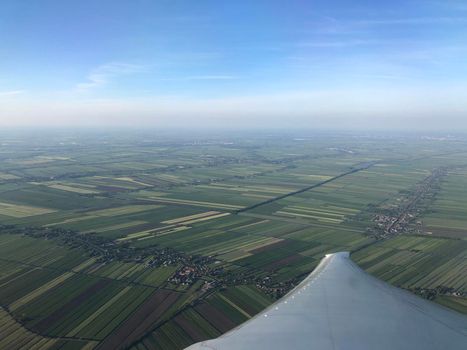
(250, 63)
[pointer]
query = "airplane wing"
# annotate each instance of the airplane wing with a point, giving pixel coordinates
(340, 306)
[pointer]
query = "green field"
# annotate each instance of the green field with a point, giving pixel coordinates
(156, 242)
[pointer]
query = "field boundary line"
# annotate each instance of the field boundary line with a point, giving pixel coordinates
(304, 189)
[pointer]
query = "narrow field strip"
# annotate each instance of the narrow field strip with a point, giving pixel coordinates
(41, 290)
(192, 203)
(190, 217)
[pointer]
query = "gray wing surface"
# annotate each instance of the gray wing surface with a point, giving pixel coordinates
(340, 306)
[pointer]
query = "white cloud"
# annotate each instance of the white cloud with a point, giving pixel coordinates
(338, 44)
(413, 20)
(103, 74)
(203, 77)
(330, 26)
(212, 77)
(11, 93)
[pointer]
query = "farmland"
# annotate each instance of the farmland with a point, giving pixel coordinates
(156, 241)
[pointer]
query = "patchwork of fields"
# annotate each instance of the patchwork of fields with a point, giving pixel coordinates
(157, 242)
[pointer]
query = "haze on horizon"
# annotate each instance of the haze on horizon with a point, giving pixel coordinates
(240, 64)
